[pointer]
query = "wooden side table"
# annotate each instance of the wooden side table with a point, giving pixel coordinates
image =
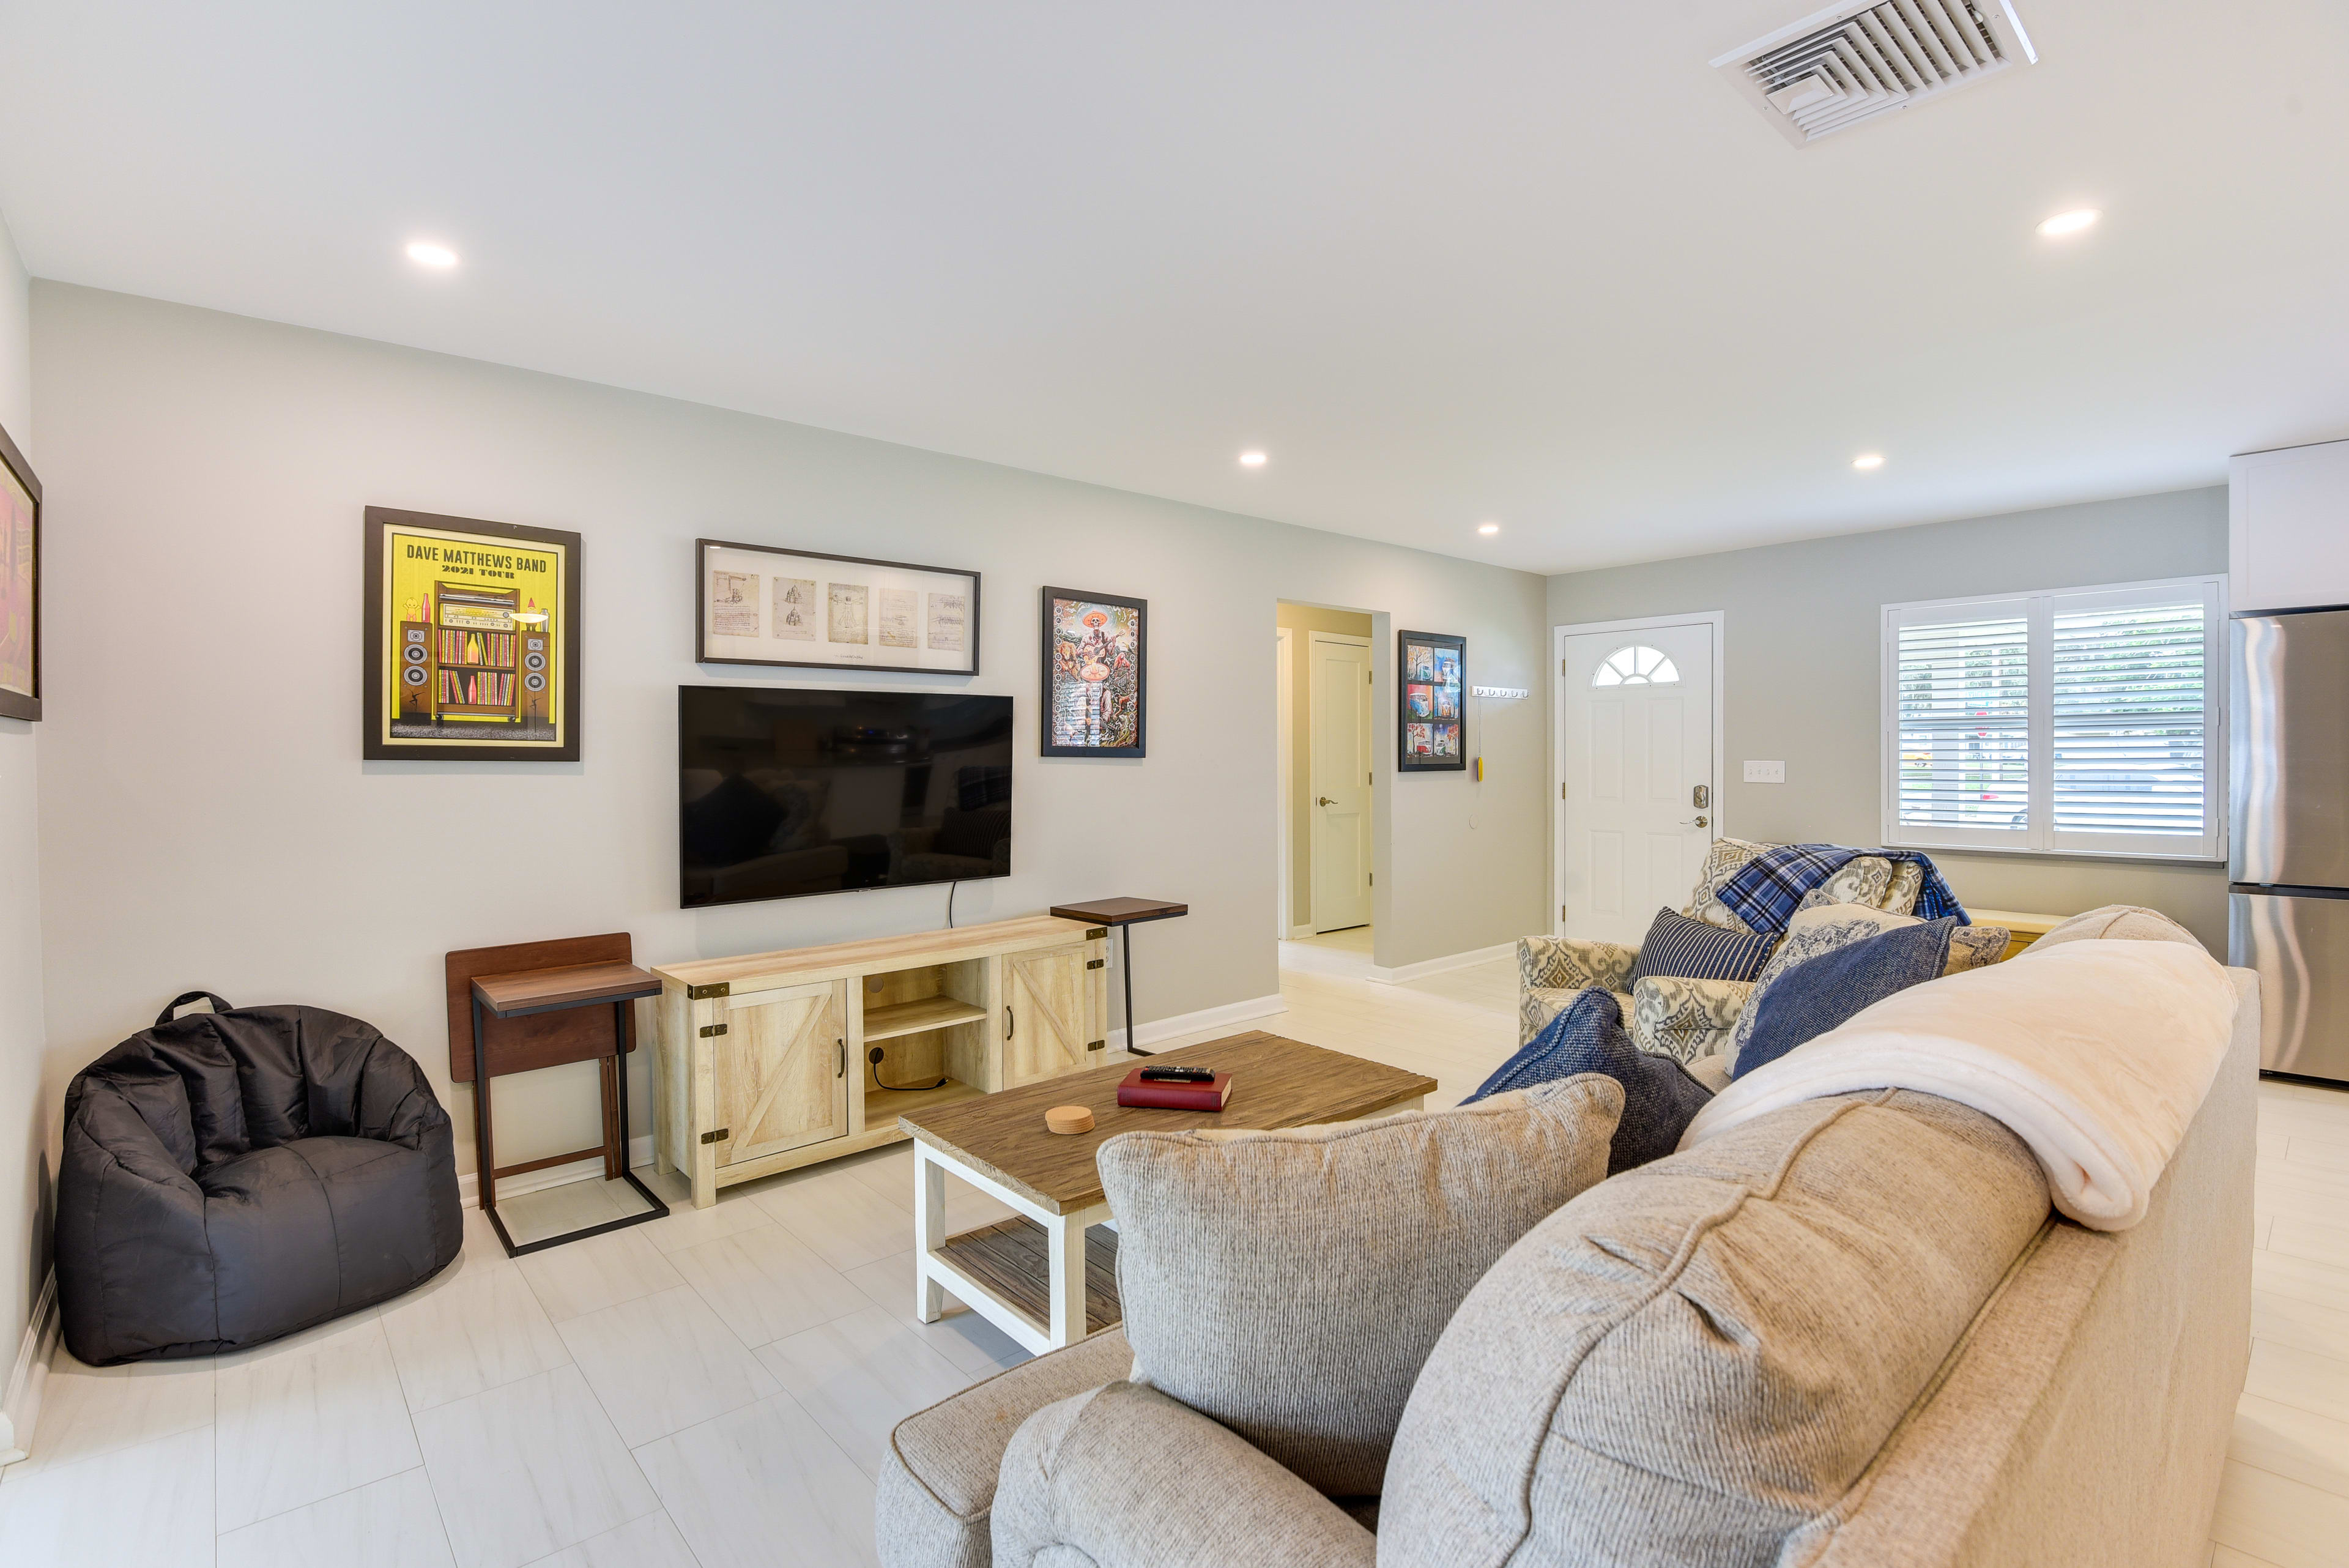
(530, 993)
(1126, 913)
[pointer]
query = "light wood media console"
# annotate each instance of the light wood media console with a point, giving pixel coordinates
(763, 1059)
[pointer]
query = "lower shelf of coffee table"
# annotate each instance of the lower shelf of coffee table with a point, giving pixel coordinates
(1009, 1258)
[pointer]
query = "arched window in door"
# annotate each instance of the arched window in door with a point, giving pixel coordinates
(1636, 665)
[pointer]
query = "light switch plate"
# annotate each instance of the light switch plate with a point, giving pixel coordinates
(1765, 773)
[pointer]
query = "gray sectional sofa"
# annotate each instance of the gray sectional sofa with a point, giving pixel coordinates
(1848, 1333)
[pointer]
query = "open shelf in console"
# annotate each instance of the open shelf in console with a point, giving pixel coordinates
(884, 1106)
(889, 1019)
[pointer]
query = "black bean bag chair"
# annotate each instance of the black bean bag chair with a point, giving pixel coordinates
(235, 1176)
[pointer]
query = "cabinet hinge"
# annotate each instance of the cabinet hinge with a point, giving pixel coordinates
(1096, 933)
(704, 992)
(1095, 964)
(710, 1031)
(1096, 1044)
(719, 1135)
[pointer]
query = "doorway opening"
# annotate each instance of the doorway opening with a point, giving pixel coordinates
(1327, 767)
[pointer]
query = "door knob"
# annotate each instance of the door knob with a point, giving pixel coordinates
(1323, 800)
(1698, 822)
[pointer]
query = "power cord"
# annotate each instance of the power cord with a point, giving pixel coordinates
(873, 1060)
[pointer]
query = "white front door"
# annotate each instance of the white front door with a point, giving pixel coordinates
(1635, 729)
(1339, 778)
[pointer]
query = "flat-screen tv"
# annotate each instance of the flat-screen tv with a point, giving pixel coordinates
(784, 793)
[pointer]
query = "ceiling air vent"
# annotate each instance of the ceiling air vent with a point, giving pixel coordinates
(1829, 72)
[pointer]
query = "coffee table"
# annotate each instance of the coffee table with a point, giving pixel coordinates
(1039, 1278)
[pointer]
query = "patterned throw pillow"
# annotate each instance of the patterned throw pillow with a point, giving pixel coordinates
(1819, 993)
(1660, 1098)
(1821, 929)
(1692, 950)
(1720, 863)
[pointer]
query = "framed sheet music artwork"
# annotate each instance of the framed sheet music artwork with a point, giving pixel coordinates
(758, 604)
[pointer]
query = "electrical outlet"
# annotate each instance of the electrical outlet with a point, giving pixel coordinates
(1765, 773)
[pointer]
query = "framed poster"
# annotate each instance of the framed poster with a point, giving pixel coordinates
(1431, 679)
(472, 639)
(20, 585)
(1093, 690)
(760, 604)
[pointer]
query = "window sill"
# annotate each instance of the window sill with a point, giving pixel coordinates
(2001, 852)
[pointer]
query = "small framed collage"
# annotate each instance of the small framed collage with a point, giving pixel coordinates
(759, 604)
(1431, 683)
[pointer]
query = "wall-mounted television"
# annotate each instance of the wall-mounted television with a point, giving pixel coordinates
(786, 793)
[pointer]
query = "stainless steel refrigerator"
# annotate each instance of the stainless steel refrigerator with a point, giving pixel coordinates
(2288, 867)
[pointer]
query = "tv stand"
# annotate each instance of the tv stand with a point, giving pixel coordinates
(764, 1062)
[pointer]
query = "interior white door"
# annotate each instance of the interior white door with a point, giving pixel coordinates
(1635, 726)
(1339, 778)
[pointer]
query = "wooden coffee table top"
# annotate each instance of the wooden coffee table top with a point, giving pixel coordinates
(1276, 1083)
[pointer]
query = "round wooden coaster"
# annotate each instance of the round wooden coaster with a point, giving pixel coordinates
(1068, 1119)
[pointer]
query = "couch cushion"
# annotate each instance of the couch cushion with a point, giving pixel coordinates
(1811, 931)
(937, 1486)
(2114, 922)
(1724, 860)
(1690, 1360)
(1288, 1283)
(1695, 949)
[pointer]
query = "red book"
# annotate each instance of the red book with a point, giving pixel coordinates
(1174, 1097)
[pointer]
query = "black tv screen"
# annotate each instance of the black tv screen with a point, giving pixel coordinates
(785, 792)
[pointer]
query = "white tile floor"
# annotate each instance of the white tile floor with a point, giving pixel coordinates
(716, 1388)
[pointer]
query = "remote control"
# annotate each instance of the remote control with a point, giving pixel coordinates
(1179, 1076)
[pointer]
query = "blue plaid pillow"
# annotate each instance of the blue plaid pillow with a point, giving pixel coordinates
(1692, 950)
(1660, 1098)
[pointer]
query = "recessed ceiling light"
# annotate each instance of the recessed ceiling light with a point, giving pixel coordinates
(424, 253)
(1868, 460)
(1251, 460)
(1489, 527)
(2071, 223)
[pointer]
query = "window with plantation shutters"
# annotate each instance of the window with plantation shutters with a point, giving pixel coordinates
(2086, 721)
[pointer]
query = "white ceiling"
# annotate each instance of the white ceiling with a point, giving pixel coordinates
(1534, 264)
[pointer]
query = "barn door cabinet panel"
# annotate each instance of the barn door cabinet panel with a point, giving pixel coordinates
(773, 1061)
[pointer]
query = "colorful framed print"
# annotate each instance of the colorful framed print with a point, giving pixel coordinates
(1431, 729)
(1094, 674)
(472, 639)
(20, 585)
(759, 604)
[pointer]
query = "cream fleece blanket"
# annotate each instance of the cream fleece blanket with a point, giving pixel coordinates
(2097, 1054)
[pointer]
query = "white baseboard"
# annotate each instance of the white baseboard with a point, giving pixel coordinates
(1182, 1023)
(20, 1402)
(469, 1190)
(1426, 967)
(1299, 933)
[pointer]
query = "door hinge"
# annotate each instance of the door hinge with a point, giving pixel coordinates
(1561, 789)
(1562, 911)
(1561, 667)
(1367, 779)
(1370, 879)
(1370, 677)
(710, 1030)
(704, 992)
(1096, 1044)
(1095, 964)
(719, 1135)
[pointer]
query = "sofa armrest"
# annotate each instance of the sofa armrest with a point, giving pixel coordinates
(1675, 1016)
(1570, 963)
(936, 1488)
(1537, 1005)
(1125, 1477)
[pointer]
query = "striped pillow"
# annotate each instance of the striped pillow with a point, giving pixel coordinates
(1692, 950)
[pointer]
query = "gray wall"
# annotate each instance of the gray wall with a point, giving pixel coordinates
(24, 1234)
(1801, 657)
(204, 825)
